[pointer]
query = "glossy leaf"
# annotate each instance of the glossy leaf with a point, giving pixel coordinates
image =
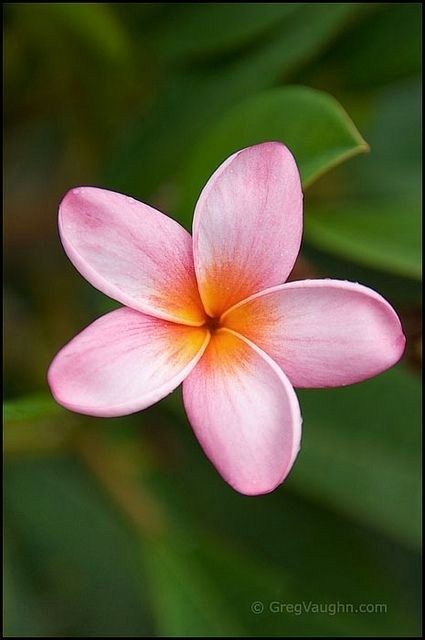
(376, 220)
(79, 550)
(208, 29)
(297, 543)
(379, 234)
(394, 27)
(95, 24)
(152, 148)
(401, 291)
(360, 454)
(29, 408)
(20, 596)
(286, 115)
(186, 601)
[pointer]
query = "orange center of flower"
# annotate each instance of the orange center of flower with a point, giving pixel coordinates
(213, 324)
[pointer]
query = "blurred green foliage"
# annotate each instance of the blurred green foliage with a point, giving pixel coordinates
(121, 527)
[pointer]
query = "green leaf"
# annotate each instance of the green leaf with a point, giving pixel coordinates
(393, 167)
(403, 292)
(81, 555)
(199, 30)
(95, 24)
(204, 568)
(205, 585)
(283, 547)
(287, 115)
(376, 221)
(29, 408)
(376, 233)
(186, 601)
(395, 27)
(21, 597)
(360, 452)
(153, 147)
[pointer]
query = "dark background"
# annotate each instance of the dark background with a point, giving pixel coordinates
(121, 526)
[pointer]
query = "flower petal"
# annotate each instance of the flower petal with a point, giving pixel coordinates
(323, 333)
(124, 362)
(247, 225)
(131, 252)
(244, 413)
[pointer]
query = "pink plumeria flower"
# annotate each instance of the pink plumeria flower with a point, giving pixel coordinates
(213, 312)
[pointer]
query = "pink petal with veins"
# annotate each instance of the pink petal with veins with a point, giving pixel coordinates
(124, 362)
(245, 414)
(247, 225)
(323, 333)
(131, 252)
